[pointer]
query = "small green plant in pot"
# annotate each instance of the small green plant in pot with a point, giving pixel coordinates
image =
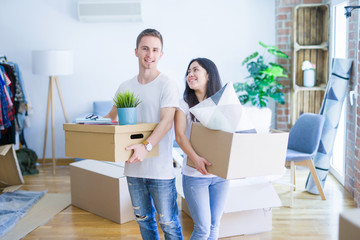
(126, 103)
(261, 84)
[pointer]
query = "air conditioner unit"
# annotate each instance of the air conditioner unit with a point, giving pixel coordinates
(109, 10)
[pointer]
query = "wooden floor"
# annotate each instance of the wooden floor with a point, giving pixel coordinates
(310, 218)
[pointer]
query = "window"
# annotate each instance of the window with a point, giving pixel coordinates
(339, 34)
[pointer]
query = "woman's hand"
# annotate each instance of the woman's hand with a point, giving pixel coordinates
(200, 165)
(185, 145)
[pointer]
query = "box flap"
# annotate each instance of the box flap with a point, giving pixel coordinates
(258, 154)
(10, 173)
(254, 196)
(109, 128)
(110, 169)
(4, 149)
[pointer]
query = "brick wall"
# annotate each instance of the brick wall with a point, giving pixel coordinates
(352, 171)
(283, 14)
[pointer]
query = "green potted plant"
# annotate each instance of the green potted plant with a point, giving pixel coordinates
(126, 103)
(261, 84)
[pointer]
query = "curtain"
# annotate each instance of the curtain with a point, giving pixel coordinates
(331, 108)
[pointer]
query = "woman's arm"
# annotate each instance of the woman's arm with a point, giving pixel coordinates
(112, 114)
(185, 145)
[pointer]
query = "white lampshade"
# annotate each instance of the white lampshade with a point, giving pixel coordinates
(52, 62)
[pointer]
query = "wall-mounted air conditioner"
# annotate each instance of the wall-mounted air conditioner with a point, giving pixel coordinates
(109, 10)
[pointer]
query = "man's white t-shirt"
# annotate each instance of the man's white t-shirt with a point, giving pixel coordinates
(187, 170)
(159, 93)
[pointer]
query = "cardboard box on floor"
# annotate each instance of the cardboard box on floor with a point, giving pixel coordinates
(105, 142)
(11, 178)
(101, 188)
(239, 155)
(248, 209)
(349, 224)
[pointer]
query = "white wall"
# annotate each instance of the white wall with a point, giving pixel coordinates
(225, 31)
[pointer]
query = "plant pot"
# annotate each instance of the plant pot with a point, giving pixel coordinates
(127, 116)
(309, 78)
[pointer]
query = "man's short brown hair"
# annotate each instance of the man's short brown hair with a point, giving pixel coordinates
(149, 32)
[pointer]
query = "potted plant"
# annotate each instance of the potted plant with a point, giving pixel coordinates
(126, 103)
(261, 84)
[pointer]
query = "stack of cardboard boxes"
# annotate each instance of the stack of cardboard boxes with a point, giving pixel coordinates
(237, 155)
(248, 209)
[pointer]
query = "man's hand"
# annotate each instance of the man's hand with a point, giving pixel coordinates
(139, 154)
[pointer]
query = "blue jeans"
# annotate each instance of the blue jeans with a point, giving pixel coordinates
(147, 193)
(205, 198)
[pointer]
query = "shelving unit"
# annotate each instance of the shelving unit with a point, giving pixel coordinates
(310, 42)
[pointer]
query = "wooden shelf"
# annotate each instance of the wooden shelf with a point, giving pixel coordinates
(323, 46)
(297, 88)
(317, 56)
(310, 42)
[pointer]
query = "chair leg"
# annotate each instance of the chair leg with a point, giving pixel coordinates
(310, 165)
(292, 180)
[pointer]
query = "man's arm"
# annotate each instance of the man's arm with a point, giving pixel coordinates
(165, 124)
(112, 114)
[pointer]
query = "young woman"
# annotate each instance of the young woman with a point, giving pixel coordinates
(205, 194)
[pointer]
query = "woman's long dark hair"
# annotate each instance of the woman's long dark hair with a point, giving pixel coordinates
(213, 85)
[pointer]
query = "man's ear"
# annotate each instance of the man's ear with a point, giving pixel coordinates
(136, 53)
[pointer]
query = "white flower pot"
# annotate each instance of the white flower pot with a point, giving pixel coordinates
(309, 78)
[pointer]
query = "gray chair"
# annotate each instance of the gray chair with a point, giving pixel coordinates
(304, 140)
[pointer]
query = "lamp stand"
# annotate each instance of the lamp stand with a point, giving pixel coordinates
(52, 81)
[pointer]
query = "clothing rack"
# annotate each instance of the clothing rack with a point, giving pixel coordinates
(3, 58)
(13, 100)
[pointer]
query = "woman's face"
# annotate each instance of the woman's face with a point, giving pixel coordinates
(197, 77)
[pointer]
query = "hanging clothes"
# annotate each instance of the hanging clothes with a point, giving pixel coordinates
(13, 102)
(20, 98)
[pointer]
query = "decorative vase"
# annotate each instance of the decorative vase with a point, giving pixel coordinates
(127, 116)
(309, 78)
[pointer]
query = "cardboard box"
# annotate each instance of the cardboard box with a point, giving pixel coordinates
(239, 155)
(105, 142)
(349, 224)
(101, 188)
(248, 209)
(11, 178)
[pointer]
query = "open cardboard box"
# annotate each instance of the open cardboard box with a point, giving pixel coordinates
(106, 142)
(240, 155)
(101, 188)
(11, 178)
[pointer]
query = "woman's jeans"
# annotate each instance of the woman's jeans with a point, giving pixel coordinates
(205, 198)
(147, 193)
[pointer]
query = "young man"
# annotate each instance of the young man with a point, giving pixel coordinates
(151, 181)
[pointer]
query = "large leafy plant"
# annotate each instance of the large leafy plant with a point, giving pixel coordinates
(261, 84)
(126, 99)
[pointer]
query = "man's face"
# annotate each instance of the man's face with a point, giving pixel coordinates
(149, 52)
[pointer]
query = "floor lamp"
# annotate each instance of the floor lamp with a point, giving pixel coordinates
(52, 63)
